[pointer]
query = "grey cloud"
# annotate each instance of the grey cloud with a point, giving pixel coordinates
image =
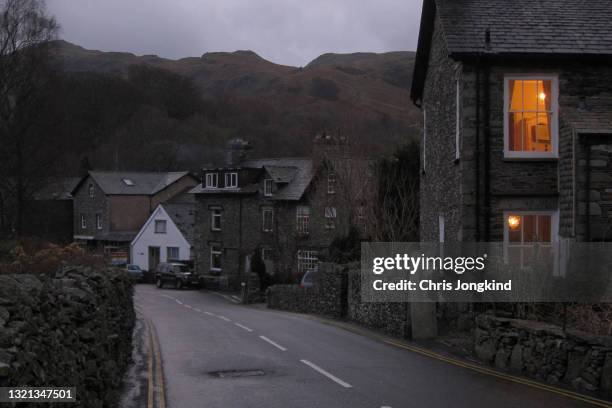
(291, 32)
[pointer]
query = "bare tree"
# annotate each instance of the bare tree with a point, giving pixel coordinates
(25, 30)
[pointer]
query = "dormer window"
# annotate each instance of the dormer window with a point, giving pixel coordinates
(268, 187)
(212, 180)
(128, 182)
(531, 116)
(231, 180)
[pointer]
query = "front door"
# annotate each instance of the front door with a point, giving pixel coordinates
(153, 258)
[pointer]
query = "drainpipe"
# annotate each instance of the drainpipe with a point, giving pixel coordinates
(477, 152)
(588, 191)
(487, 152)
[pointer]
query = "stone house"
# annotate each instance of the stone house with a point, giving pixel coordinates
(517, 108)
(111, 207)
(288, 209)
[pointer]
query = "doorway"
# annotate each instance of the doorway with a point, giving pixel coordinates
(153, 258)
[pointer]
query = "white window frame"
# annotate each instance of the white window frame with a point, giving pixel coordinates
(83, 221)
(307, 260)
(99, 221)
(332, 181)
(302, 219)
(330, 217)
(212, 180)
(215, 213)
(158, 230)
(423, 165)
(554, 120)
(268, 184)
(270, 254)
(91, 190)
(458, 121)
(216, 249)
(263, 219)
(231, 180)
(178, 253)
(554, 225)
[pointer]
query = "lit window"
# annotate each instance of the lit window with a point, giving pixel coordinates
(216, 219)
(91, 191)
(268, 219)
(172, 253)
(160, 226)
(307, 260)
(231, 180)
(331, 183)
(83, 222)
(212, 180)
(524, 231)
(268, 187)
(302, 220)
(530, 116)
(215, 257)
(330, 217)
(99, 221)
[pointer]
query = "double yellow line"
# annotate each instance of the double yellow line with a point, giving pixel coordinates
(155, 372)
(507, 377)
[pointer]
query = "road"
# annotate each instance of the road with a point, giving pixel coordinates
(271, 359)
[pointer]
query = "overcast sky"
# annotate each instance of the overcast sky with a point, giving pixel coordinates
(291, 32)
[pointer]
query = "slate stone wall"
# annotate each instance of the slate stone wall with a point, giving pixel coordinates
(72, 329)
(327, 297)
(545, 352)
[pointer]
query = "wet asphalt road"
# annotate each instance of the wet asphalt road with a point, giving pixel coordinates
(305, 363)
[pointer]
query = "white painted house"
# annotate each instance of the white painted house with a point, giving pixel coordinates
(167, 235)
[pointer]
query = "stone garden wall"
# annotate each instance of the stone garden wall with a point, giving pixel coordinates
(72, 329)
(545, 352)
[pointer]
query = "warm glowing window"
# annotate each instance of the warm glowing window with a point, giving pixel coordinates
(531, 117)
(524, 232)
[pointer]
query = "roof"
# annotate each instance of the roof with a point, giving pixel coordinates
(117, 236)
(301, 168)
(133, 183)
(57, 188)
(592, 115)
(293, 174)
(515, 28)
(183, 216)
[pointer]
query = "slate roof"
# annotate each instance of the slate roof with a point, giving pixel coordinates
(527, 26)
(301, 168)
(516, 28)
(592, 115)
(292, 174)
(144, 183)
(57, 188)
(183, 216)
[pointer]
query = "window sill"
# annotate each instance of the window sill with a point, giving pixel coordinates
(530, 158)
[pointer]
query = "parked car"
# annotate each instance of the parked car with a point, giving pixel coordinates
(307, 280)
(177, 274)
(134, 272)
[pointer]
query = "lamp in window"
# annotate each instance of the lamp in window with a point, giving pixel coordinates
(542, 96)
(514, 222)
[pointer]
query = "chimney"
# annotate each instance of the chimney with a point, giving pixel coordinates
(330, 146)
(236, 151)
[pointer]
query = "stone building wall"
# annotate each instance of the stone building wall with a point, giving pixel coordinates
(71, 329)
(84, 204)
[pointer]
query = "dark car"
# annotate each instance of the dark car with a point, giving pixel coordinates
(176, 274)
(134, 272)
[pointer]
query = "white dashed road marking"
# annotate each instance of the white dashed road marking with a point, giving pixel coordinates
(278, 346)
(178, 301)
(188, 307)
(325, 373)
(243, 327)
(208, 313)
(197, 310)
(168, 297)
(224, 318)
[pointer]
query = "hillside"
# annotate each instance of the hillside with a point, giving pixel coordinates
(364, 95)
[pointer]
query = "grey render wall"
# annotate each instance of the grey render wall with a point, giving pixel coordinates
(440, 180)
